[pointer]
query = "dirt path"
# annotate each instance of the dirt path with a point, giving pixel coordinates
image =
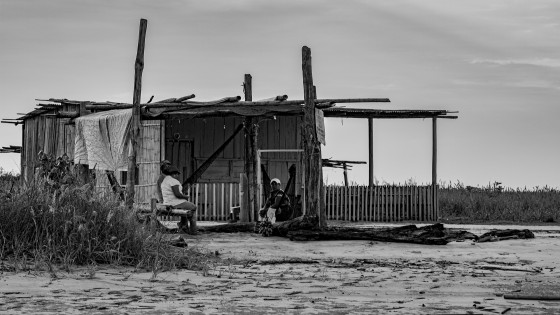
(336, 277)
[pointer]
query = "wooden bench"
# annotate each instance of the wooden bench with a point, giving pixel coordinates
(167, 216)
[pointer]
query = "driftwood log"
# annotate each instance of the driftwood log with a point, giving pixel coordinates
(429, 235)
(229, 227)
(304, 222)
(305, 228)
(500, 235)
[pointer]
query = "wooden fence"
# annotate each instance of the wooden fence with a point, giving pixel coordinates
(381, 203)
(213, 200)
(353, 203)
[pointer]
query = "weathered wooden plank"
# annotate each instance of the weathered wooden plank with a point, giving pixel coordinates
(375, 203)
(228, 130)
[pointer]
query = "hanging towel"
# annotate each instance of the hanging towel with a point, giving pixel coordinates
(102, 141)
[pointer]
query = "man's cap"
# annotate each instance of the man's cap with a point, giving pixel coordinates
(172, 169)
(164, 162)
(275, 180)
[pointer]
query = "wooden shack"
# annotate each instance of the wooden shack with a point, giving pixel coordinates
(189, 137)
(182, 138)
(204, 141)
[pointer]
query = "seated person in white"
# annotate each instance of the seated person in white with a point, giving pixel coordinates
(172, 193)
(277, 206)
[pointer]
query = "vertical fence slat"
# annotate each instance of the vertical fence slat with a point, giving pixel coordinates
(350, 203)
(423, 209)
(359, 196)
(365, 203)
(346, 209)
(354, 202)
(365, 198)
(369, 203)
(382, 205)
(230, 204)
(431, 204)
(336, 202)
(392, 202)
(339, 214)
(391, 205)
(395, 203)
(351, 195)
(222, 204)
(408, 202)
(398, 202)
(420, 203)
(213, 216)
(206, 209)
(376, 204)
(414, 208)
(330, 201)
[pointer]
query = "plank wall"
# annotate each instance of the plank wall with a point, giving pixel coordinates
(189, 142)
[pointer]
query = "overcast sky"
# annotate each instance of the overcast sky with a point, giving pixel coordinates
(496, 62)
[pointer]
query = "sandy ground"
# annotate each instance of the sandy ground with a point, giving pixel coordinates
(333, 277)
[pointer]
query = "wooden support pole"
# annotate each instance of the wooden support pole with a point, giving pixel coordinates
(322, 196)
(23, 156)
(370, 145)
(311, 146)
(251, 167)
(135, 126)
(434, 169)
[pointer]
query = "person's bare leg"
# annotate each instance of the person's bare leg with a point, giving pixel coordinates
(185, 219)
(192, 220)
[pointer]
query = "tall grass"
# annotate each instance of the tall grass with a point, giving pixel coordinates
(495, 204)
(56, 220)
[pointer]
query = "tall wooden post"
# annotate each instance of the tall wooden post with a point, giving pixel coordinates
(370, 145)
(23, 157)
(311, 146)
(434, 168)
(135, 126)
(322, 196)
(251, 132)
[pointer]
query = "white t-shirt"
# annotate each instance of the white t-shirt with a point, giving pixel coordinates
(169, 198)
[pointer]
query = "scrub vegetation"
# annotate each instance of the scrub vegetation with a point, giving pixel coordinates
(59, 221)
(494, 204)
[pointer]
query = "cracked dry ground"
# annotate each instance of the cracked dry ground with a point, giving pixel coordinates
(274, 275)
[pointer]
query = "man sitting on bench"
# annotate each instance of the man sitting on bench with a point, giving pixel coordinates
(176, 202)
(277, 206)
